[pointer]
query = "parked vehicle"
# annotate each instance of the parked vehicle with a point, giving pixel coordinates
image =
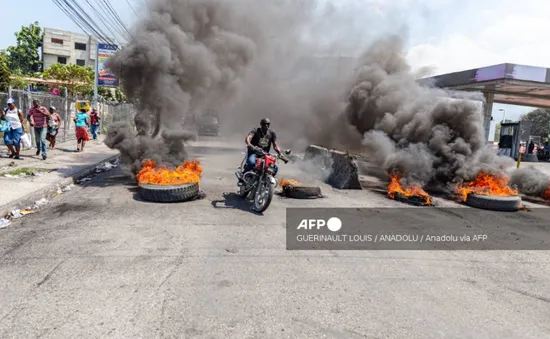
(260, 181)
(208, 123)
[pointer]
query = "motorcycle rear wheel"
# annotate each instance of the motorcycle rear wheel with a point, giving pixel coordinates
(260, 205)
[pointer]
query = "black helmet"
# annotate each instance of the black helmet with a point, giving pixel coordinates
(265, 121)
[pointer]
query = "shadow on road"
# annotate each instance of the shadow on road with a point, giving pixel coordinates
(234, 201)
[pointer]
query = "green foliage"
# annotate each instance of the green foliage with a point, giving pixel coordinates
(79, 79)
(540, 119)
(4, 72)
(23, 57)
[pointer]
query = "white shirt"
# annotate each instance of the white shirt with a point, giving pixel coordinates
(13, 117)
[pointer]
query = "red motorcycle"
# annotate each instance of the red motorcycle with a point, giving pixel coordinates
(260, 181)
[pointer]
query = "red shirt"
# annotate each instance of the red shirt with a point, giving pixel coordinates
(39, 116)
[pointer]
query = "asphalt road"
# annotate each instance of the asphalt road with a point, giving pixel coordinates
(100, 263)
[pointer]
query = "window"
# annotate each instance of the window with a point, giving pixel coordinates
(78, 45)
(81, 62)
(62, 60)
(57, 41)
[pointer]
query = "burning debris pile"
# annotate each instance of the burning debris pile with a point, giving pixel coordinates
(420, 132)
(412, 194)
(532, 182)
(486, 184)
(188, 172)
(182, 56)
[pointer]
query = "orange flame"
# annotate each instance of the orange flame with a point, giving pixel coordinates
(188, 172)
(395, 187)
(486, 184)
(289, 182)
(546, 194)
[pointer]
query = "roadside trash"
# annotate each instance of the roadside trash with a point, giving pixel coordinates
(84, 180)
(16, 214)
(4, 223)
(39, 203)
(67, 188)
(27, 211)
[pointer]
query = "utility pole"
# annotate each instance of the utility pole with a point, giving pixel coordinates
(96, 75)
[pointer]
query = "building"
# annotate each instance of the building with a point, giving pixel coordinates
(508, 83)
(68, 48)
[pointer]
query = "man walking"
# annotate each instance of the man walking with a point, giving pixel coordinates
(94, 120)
(38, 119)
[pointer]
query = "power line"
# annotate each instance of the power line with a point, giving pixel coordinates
(133, 10)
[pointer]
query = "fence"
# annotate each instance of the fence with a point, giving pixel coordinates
(66, 108)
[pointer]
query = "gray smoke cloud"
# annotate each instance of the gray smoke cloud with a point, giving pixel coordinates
(426, 134)
(183, 56)
(531, 181)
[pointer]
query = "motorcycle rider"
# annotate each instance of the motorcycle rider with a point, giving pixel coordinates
(261, 137)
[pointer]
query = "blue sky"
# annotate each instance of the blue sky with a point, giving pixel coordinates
(448, 35)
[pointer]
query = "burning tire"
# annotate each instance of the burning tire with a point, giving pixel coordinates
(169, 193)
(495, 203)
(302, 192)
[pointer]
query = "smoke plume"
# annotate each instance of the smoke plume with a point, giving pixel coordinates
(422, 133)
(182, 56)
(531, 181)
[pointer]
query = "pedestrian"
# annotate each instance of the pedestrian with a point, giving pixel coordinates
(94, 120)
(54, 123)
(82, 121)
(531, 147)
(16, 119)
(38, 118)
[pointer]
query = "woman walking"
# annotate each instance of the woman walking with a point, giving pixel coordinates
(12, 138)
(82, 121)
(54, 123)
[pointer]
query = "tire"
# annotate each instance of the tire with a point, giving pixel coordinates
(302, 192)
(171, 193)
(495, 203)
(270, 189)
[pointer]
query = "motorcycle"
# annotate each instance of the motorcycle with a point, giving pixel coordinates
(260, 181)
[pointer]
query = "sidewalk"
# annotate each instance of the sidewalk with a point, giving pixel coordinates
(64, 163)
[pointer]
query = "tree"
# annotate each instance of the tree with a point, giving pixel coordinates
(24, 57)
(4, 72)
(79, 79)
(540, 118)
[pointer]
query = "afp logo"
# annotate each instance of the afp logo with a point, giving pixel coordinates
(333, 224)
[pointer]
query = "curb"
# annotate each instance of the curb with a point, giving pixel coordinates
(51, 191)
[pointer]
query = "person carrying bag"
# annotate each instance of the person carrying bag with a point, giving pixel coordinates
(12, 124)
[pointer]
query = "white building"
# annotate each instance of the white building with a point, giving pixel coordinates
(68, 48)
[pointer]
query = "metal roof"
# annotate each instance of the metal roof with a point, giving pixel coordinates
(510, 83)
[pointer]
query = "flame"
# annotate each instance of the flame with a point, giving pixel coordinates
(289, 182)
(486, 184)
(188, 172)
(546, 194)
(395, 187)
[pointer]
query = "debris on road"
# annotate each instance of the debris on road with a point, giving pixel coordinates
(105, 167)
(64, 189)
(411, 194)
(83, 180)
(294, 189)
(25, 172)
(4, 223)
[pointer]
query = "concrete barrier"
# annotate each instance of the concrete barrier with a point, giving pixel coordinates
(344, 172)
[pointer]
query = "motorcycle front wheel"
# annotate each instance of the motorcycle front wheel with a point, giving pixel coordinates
(263, 195)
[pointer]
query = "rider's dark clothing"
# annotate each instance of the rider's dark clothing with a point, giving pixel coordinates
(262, 140)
